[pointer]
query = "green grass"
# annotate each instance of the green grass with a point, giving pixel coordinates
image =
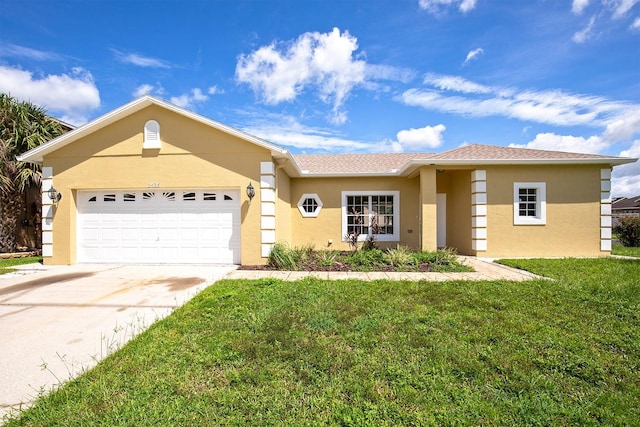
(618, 249)
(7, 263)
(351, 353)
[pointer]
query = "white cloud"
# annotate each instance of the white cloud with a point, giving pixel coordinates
(287, 131)
(73, 96)
(620, 7)
(434, 6)
(148, 89)
(215, 90)
(579, 6)
(624, 127)
(584, 34)
(474, 54)
(188, 100)
(454, 83)
(625, 180)
(322, 61)
(419, 139)
(572, 144)
(553, 107)
(12, 50)
(140, 60)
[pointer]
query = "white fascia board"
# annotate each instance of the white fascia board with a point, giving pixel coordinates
(613, 161)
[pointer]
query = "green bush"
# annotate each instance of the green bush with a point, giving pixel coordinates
(628, 231)
(370, 258)
(401, 256)
(283, 257)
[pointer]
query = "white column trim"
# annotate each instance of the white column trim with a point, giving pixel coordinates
(479, 210)
(267, 207)
(47, 212)
(605, 210)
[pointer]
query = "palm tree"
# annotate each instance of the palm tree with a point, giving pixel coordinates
(23, 126)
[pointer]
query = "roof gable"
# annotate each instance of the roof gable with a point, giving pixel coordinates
(36, 155)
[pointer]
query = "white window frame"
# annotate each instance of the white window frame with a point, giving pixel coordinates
(393, 237)
(541, 203)
(303, 212)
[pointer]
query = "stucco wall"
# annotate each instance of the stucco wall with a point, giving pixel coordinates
(573, 213)
(456, 184)
(193, 155)
(328, 225)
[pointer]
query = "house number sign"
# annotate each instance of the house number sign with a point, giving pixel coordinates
(153, 185)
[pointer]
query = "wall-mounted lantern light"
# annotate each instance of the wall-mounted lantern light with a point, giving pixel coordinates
(54, 195)
(250, 191)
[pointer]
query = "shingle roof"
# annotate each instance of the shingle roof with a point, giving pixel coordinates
(626, 203)
(492, 152)
(395, 163)
(357, 164)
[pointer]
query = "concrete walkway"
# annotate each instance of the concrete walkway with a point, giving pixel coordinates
(485, 269)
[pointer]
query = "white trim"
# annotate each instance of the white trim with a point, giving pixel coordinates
(267, 181)
(479, 245)
(267, 195)
(316, 212)
(265, 250)
(541, 204)
(267, 168)
(605, 210)
(479, 175)
(47, 212)
(479, 210)
(395, 236)
(267, 207)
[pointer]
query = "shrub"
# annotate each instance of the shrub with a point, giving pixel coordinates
(628, 231)
(283, 257)
(366, 259)
(327, 258)
(401, 256)
(446, 256)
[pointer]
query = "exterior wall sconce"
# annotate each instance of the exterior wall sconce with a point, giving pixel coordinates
(54, 195)
(251, 192)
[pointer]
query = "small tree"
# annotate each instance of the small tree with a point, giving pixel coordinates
(628, 231)
(23, 126)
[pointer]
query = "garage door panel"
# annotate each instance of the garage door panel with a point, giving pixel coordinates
(166, 226)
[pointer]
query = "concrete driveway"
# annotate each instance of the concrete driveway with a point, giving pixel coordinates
(57, 321)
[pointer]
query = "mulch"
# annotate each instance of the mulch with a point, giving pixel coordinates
(312, 264)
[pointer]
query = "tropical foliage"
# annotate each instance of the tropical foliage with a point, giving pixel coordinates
(23, 126)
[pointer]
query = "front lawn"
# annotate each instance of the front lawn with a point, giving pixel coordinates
(313, 352)
(7, 263)
(619, 249)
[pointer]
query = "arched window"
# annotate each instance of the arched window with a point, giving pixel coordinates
(151, 135)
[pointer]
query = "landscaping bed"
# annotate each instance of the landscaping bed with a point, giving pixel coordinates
(401, 258)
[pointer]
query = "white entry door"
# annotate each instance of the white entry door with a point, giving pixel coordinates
(159, 226)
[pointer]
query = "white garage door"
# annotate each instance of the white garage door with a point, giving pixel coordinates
(159, 226)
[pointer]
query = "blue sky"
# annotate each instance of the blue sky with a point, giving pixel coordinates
(347, 76)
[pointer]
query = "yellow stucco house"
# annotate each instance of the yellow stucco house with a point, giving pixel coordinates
(153, 183)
